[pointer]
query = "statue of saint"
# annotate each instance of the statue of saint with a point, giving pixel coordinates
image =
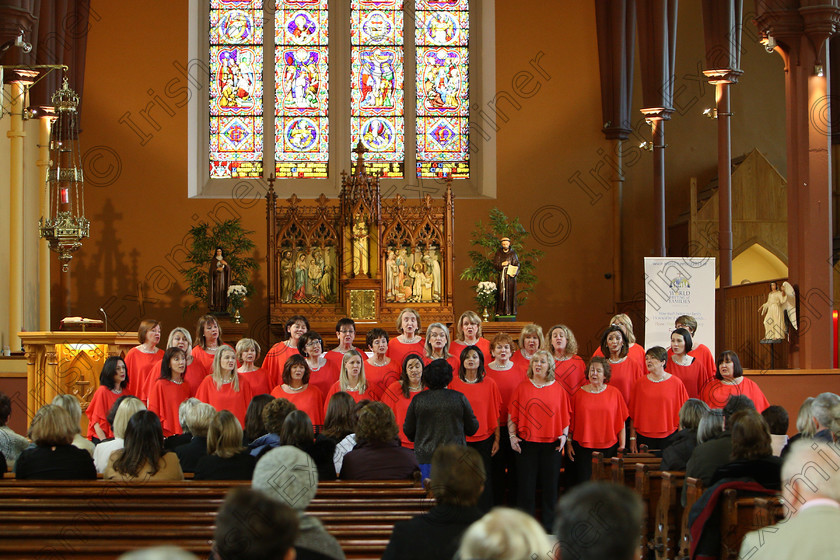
(218, 283)
(507, 263)
(360, 247)
(779, 303)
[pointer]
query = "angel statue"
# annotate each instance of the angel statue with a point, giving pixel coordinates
(779, 303)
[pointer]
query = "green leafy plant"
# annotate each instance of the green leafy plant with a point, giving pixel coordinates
(237, 247)
(485, 239)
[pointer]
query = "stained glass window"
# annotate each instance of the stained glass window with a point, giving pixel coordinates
(376, 84)
(236, 89)
(301, 77)
(443, 96)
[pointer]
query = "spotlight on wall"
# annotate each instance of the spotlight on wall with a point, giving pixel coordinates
(646, 146)
(769, 43)
(710, 112)
(819, 70)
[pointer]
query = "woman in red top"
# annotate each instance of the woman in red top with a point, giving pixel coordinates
(380, 370)
(625, 371)
(598, 417)
(655, 404)
(398, 395)
(531, 339)
(635, 351)
(569, 368)
(248, 352)
(538, 425)
(143, 361)
(194, 374)
(169, 391)
(208, 340)
(437, 346)
(351, 380)
(699, 351)
(323, 373)
(408, 324)
(729, 380)
(468, 333)
(690, 370)
(113, 382)
(223, 389)
(486, 402)
(275, 359)
(296, 389)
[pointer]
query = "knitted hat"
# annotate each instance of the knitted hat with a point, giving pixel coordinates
(288, 475)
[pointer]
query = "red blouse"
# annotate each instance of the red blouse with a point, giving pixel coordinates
(655, 407)
(702, 353)
(624, 374)
(141, 366)
(393, 397)
(597, 418)
(335, 357)
(164, 399)
(540, 415)
(507, 381)
(520, 360)
(486, 402)
(310, 401)
(380, 378)
(455, 348)
(715, 393)
(194, 375)
(451, 360)
(274, 361)
(323, 377)
(635, 353)
(694, 376)
(336, 388)
(571, 373)
(97, 411)
(397, 351)
(258, 380)
(226, 398)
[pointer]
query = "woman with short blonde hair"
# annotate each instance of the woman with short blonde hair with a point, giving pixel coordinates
(247, 354)
(53, 457)
(531, 339)
(468, 333)
(506, 534)
(74, 409)
(126, 409)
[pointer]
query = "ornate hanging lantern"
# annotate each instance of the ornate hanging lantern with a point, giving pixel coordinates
(66, 225)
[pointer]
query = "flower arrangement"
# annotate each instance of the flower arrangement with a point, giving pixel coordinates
(485, 294)
(236, 295)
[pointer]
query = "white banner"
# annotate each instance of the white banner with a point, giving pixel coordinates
(677, 286)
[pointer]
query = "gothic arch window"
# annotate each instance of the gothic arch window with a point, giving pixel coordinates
(293, 85)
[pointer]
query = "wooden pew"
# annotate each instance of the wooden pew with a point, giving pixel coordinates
(602, 467)
(623, 470)
(694, 489)
(740, 515)
(649, 486)
(668, 516)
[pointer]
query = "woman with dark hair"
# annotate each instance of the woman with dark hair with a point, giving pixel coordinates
(143, 458)
(598, 420)
(194, 375)
(338, 434)
(625, 370)
(729, 380)
(275, 359)
(378, 455)
(438, 416)
(323, 373)
(655, 404)
(399, 394)
(227, 458)
(296, 389)
(676, 457)
(223, 389)
(569, 368)
(143, 361)
(635, 351)
(273, 416)
(752, 452)
(113, 381)
(486, 402)
(170, 390)
(208, 340)
(254, 424)
(54, 457)
(690, 370)
(297, 431)
(11, 443)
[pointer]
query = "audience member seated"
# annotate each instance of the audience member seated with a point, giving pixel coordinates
(11, 443)
(227, 458)
(53, 457)
(821, 410)
(198, 422)
(339, 422)
(289, 476)
(457, 480)
(811, 493)
(126, 407)
(778, 421)
(752, 453)
(506, 534)
(252, 526)
(273, 416)
(805, 426)
(378, 455)
(143, 458)
(254, 425)
(164, 552)
(711, 426)
(710, 455)
(346, 445)
(297, 431)
(173, 442)
(610, 515)
(71, 405)
(676, 456)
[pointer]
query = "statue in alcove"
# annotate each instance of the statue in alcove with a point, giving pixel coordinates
(219, 282)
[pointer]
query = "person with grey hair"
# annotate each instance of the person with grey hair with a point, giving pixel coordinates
(676, 456)
(711, 426)
(505, 534)
(821, 409)
(708, 456)
(159, 553)
(288, 475)
(173, 442)
(198, 423)
(811, 496)
(74, 409)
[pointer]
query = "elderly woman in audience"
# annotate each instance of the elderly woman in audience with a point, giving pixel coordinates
(11, 443)
(173, 442)
(805, 426)
(224, 389)
(468, 333)
(143, 361)
(297, 389)
(273, 416)
(531, 340)
(352, 378)
(289, 476)
(655, 404)
(323, 373)
(227, 458)
(625, 371)
(597, 424)
(539, 427)
(170, 390)
(692, 371)
(569, 368)
(276, 357)
(113, 381)
(437, 346)
(125, 410)
(297, 431)
(74, 409)
(676, 456)
(53, 457)
(198, 422)
(248, 352)
(710, 426)
(143, 458)
(399, 394)
(380, 370)
(254, 425)
(378, 455)
(194, 374)
(729, 380)
(208, 340)
(506, 534)
(408, 341)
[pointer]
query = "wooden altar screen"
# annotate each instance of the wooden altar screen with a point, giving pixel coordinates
(359, 256)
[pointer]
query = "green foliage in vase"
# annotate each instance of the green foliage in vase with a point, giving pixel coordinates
(485, 240)
(237, 248)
